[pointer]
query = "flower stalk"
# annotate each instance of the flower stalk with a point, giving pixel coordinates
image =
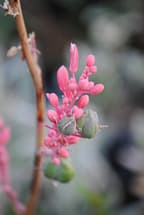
(35, 72)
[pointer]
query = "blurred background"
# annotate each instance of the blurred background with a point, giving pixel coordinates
(109, 168)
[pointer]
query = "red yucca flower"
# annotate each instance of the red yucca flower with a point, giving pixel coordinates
(63, 131)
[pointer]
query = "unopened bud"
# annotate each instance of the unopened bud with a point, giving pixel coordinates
(90, 60)
(12, 51)
(64, 172)
(67, 125)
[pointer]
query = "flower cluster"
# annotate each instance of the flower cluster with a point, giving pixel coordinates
(64, 131)
(4, 169)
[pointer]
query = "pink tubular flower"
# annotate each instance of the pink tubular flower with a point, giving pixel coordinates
(72, 139)
(97, 89)
(62, 78)
(93, 69)
(65, 129)
(53, 99)
(52, 115)
(4, 133)
(63, 153)
(90, 60)
(78, 112)
(83, 101)
(56, 160)
(4, 169)
(84, 84)
(73, 58)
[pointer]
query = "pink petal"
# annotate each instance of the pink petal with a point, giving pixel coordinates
(56, 160)
(93, 69)
(52, 133)
(97, 89)
(52, 116)
(62, 78)
(83, 84)
(72, 139)
(1, 123)
(72, 84)
(90, 60)
(53, 99)
(73, 58)
(91, 84)
(47, 141)
(5, 135)
(78, 112)
(83, 101)
(63, 153)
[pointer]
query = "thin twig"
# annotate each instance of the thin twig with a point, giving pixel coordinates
(35, 72)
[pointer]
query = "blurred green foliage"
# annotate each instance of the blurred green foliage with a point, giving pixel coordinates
(7, 28)
(97, 201)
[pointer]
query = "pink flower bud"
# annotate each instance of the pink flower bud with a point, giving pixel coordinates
(53, 99)
(73, 58)
(91, 84)
(52, 116)
(90, 60)
(78, 112)
(72, 84)
(62, 78)
(83, 101)
(93, 69)
(84, 84)
(65, 100)
(5, 135)
(52, 133)
(72, 139)
(63, 153)
(1, 123)
(47, 141)
(56, 160)
(45, 151)
(97, 89)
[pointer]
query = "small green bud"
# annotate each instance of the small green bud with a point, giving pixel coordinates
(88, 124)
(67, 125)
(64, 172)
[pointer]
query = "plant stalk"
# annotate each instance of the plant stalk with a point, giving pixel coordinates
(35, 72)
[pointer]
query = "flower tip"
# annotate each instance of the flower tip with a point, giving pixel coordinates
(97, 89)
(1, 123)
(78, 112)
(73, 58)
(90, 60)
(62, 78)
(83, 101)
(53, 99)
(52, 116)
(101, 87)
(47, 95)
(56, 161)
(63, 153)
(72, 46)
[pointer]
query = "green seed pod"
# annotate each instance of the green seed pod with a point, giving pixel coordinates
(62, 173)
(67, 125)
(88, 124)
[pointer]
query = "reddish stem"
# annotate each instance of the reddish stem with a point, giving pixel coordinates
(35, 72)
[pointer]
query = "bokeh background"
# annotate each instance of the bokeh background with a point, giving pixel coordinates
(109, 168)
